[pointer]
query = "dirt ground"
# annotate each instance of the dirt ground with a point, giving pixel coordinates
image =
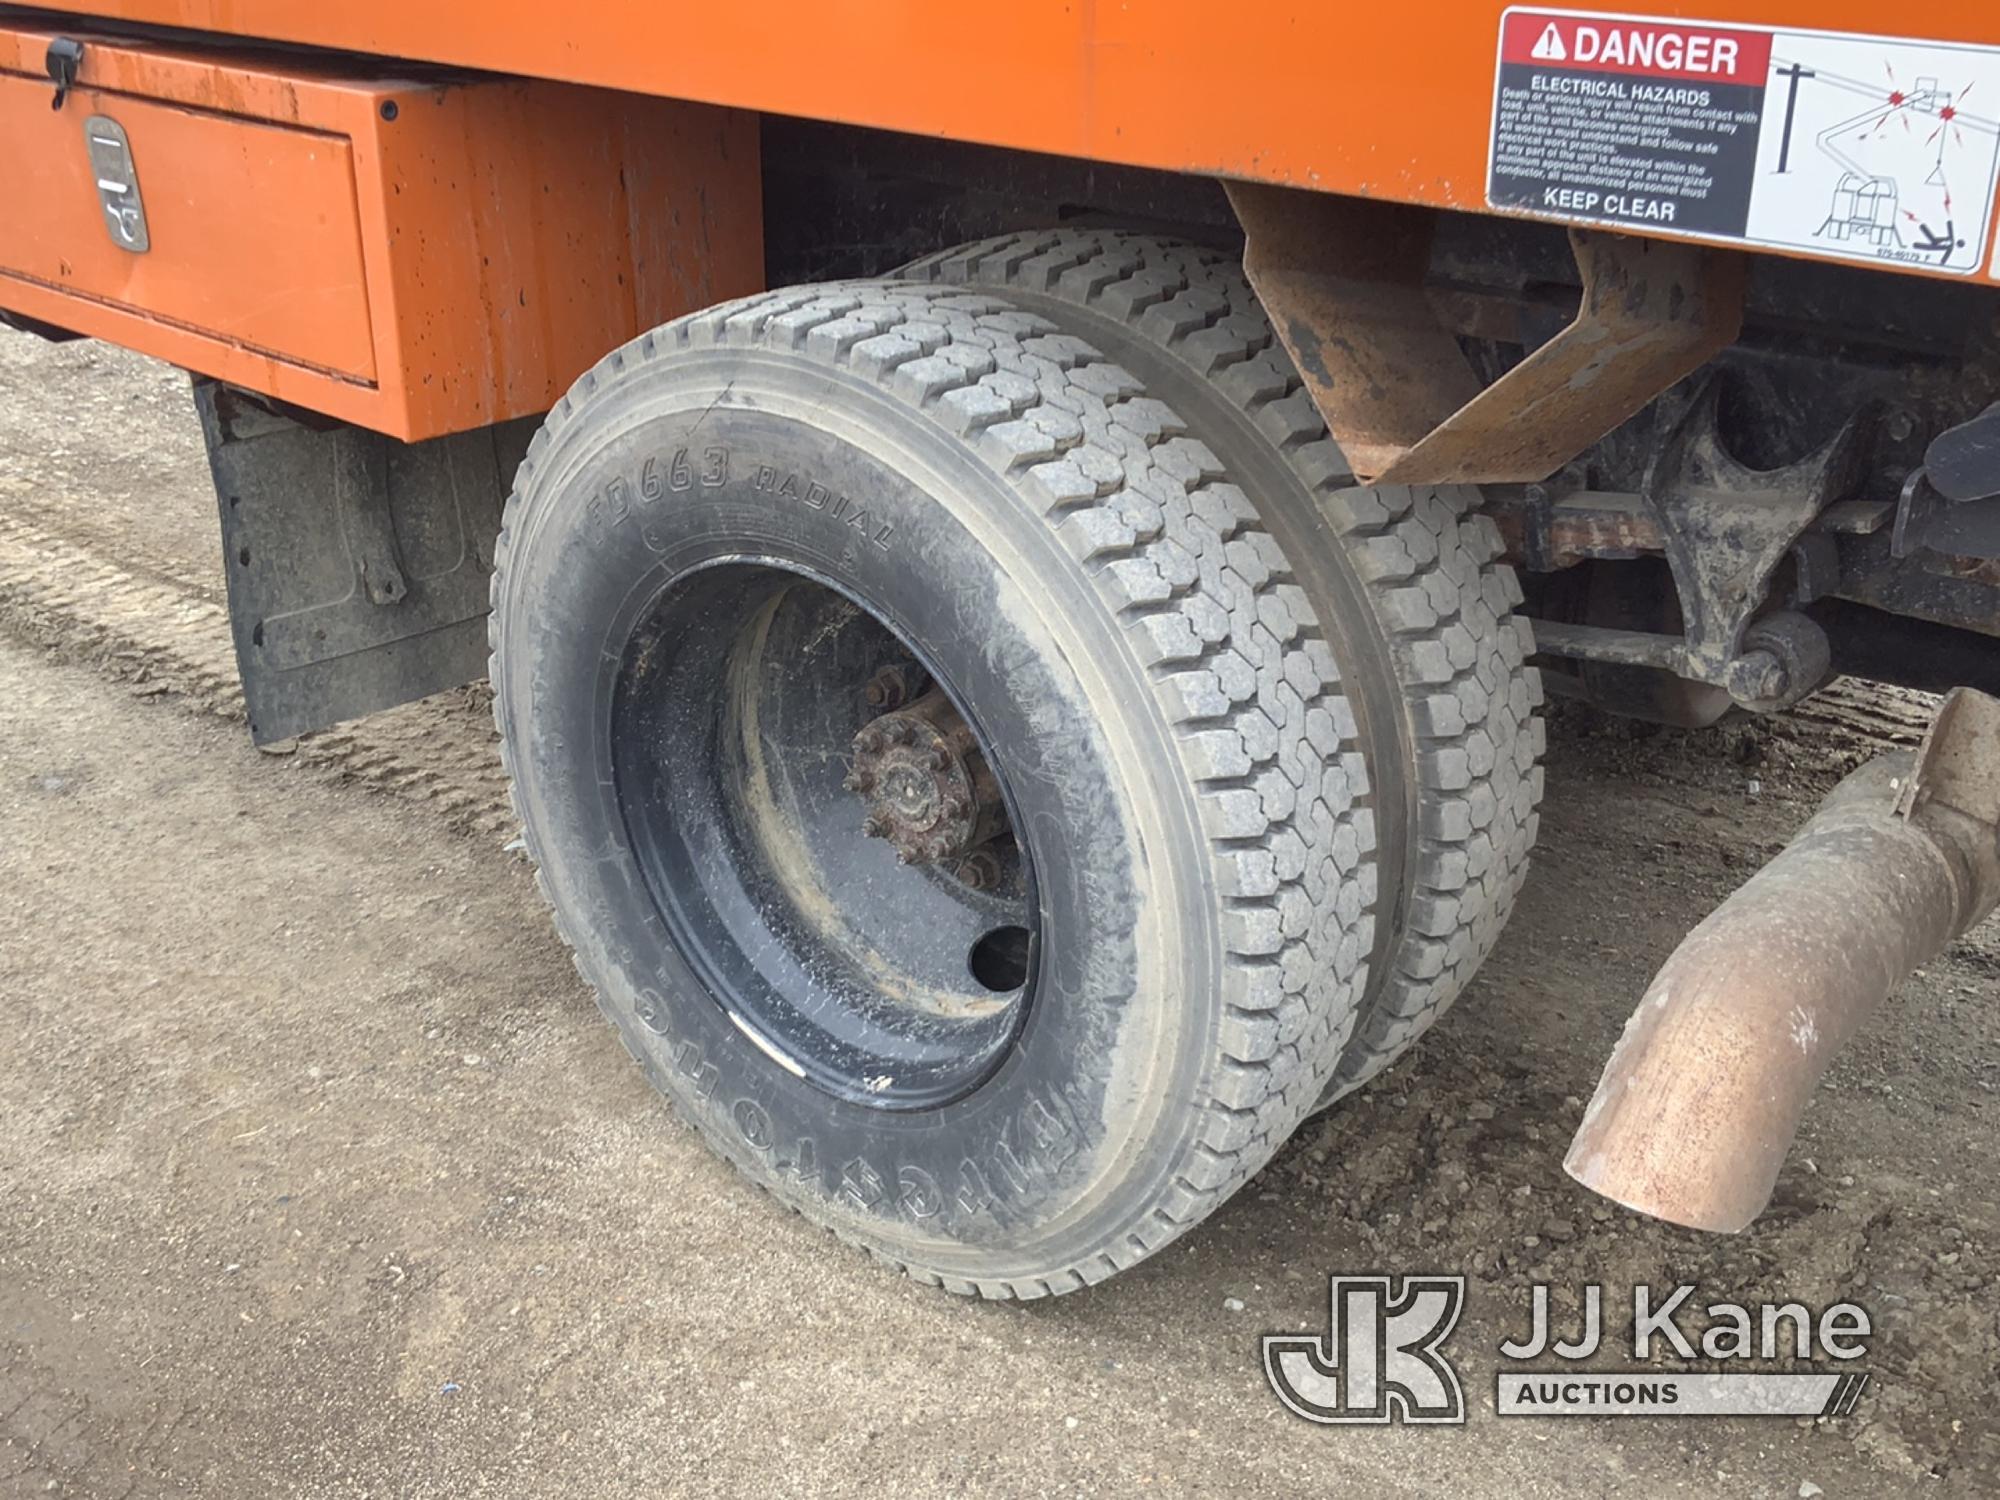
(321, 1175)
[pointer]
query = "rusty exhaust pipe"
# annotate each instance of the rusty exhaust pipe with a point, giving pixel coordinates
(1703, 1094)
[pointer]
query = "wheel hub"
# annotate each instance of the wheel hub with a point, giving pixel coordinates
(927, 789)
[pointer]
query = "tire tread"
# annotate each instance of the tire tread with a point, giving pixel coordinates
(1430, 562)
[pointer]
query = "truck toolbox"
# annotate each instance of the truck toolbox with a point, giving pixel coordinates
(417, 254)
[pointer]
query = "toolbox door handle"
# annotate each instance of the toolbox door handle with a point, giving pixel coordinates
(65, 56)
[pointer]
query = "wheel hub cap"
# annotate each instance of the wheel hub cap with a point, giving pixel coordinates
(926, 787)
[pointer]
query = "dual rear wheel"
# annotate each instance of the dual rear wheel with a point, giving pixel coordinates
(960, 772)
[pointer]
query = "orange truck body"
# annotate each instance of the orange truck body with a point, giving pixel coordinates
(413, 255)
(460, 264)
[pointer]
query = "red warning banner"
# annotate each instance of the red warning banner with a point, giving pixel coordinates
(1646, 49)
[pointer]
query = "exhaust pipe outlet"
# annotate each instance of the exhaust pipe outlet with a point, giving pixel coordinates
(1703, 1094)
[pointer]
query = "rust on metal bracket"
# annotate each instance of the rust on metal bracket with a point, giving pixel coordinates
(1342, 281)
(1547, 533)
(1652, 313)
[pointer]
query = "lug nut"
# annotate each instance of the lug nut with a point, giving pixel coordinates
(886, 689)
(860, 780)
(876, 827)
(979, 870)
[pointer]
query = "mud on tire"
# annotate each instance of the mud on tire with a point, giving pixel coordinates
(1406, 584)
(1101, 602)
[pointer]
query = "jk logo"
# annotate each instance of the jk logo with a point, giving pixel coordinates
(1379, 1360)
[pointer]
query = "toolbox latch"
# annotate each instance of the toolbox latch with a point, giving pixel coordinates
(65, 56)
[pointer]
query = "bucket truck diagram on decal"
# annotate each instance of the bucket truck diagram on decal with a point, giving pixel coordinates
(1879, 149)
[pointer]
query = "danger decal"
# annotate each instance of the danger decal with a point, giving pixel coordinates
(1635, 47)
(1858, 147)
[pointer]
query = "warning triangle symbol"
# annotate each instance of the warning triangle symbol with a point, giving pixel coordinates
(1550, 48)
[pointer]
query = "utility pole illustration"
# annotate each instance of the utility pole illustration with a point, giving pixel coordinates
(1794, 73)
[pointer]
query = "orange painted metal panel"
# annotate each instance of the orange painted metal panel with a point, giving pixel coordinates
(518, 231)
(415, 254)
(275, 274)
(1391, 101)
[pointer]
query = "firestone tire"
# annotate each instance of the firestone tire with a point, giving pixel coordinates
(1103, 604)
(1405, 582)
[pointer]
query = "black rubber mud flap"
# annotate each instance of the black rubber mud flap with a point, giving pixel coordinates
(357, 564)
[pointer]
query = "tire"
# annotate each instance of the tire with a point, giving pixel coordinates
(705, 527)
(1406, 582)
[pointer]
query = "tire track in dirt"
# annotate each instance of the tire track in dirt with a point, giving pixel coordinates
(165, 640)
(1860, 717)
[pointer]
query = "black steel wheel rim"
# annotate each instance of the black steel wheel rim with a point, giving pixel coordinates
(777, 743)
